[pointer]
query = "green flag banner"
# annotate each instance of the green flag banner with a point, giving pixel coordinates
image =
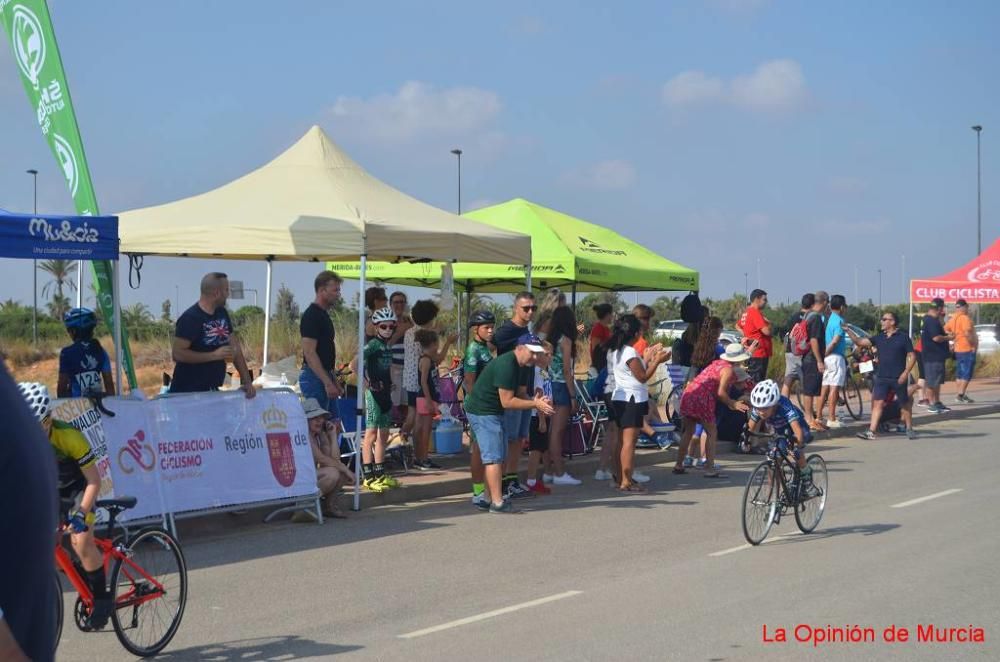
(33, 40)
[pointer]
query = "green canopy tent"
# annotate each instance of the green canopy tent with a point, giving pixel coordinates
(566, 252)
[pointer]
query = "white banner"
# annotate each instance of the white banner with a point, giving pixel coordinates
(206, 450)
(80, 413)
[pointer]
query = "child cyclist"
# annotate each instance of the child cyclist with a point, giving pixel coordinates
(768, 405)
(84, 366)
(378, 401)
(79, 483)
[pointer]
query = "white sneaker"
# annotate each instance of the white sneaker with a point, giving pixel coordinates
(639, 477)
(834, 425)
(566, 479)
(547, 479)
(602, 474)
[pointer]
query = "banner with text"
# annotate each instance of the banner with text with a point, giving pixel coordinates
(204, 451)
(33, 41)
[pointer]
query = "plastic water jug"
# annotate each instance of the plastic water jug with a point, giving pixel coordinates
(448, 438)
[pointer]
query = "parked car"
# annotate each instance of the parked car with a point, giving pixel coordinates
(670, 330)
(988, 342)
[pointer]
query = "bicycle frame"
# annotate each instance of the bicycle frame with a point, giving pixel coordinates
(110, 552)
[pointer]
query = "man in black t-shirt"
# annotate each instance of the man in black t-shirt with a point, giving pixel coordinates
(812, 362)
(895, 363)
(517, 422)
(204, 342)
(318, 379)
(935, 351)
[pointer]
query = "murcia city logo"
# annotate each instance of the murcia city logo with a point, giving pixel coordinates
(65, 231)
(141, 453)
(279, 445)
(67, 159)
(988, 272)
(29, 43)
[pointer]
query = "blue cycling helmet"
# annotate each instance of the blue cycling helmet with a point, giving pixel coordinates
(80, 318)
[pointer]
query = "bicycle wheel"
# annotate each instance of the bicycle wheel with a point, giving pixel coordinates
(812, 502)
(150, 589)
(759, 504)
(852, 399)
(60, 607)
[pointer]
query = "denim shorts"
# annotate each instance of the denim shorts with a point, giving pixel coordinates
(965, 365)
(311, 387)
(933, 373)
(882, 386)
(516, 423)
(490, 437)
(560, 394)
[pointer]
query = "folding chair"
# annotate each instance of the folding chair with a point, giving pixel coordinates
(349, 434)
(596, 411)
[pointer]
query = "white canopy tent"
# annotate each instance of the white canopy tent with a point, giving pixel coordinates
(314, 203)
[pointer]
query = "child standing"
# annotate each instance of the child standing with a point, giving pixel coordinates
(84, 366)
(378, 401)
(427, 401)
(538, 433)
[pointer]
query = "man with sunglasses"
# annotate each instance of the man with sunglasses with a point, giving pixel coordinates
(517, 422)
(895, 363)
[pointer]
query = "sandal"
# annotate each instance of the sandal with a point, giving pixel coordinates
(816, 426)
(634, 488)
(679, 470)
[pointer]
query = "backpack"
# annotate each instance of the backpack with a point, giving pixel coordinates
(798, 337)
(691, 310)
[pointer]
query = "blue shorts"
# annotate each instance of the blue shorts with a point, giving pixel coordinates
(312, 387)
(882, 387)
(560, 394)
(965, 365)
(517, 423)
(490, 437)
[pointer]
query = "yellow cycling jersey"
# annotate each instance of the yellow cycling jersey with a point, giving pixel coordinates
(73, 452)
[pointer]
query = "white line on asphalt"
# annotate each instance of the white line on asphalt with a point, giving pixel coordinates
(745, 546)
(489, 614)
(914, 502)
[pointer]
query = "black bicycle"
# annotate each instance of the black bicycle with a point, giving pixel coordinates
(775, 486)
(850, 395)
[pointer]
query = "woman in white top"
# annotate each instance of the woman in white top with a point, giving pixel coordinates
(630, 397)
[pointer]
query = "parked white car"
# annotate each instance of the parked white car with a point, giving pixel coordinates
(988, 342)
(670, 330)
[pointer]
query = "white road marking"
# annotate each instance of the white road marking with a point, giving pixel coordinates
(746, 546)
(914, 502)
(490, 614)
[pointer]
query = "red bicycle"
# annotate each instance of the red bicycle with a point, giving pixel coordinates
(148, 580)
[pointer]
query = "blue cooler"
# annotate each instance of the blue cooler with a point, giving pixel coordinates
(448, 438)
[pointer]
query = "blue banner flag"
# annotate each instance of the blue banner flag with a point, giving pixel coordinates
(43, 237)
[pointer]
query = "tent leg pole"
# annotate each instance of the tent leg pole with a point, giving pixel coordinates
(79, 283)
(267, 314)
(911, 311)
(527, 277)
(573, 304)
(119, 370)
(359, 459)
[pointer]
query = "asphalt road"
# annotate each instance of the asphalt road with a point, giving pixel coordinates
(587, 574)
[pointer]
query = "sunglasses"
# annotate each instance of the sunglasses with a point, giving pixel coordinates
(529, 309)
(387, 327)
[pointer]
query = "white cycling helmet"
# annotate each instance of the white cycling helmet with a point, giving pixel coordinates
(765, 394)
(383, 315)
(37, 397)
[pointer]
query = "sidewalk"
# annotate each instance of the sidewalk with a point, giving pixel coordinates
(454, 480)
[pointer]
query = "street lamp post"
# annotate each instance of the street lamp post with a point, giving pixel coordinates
(979, 192)
(746, 286)
(34, 265)
(458, 153)
(979, 199)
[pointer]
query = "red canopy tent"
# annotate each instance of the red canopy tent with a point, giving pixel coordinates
(976, 282)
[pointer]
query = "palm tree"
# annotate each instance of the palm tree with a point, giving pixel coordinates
(136, 315)
(58, 306)
(61, 272)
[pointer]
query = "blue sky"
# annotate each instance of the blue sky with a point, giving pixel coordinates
(821, 138)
